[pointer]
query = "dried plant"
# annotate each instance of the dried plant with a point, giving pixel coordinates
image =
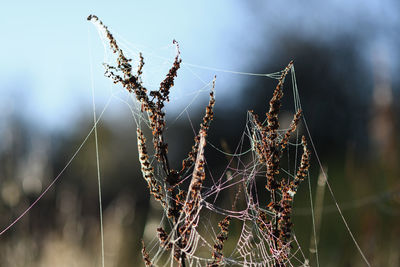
(146, 257)
(183, 204)
(217, 253)
(269, 150)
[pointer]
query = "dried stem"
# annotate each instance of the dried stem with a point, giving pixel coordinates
(183, 206)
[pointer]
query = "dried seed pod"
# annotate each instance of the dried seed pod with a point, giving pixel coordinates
(262, 220)
(275, 104)
(204, 126)
(168, 82)
(146, 257)
(148, 170)
(302, 172)
(291, 129)
(222, 236)
(191, 206)
(192, 200)
(177, 204)
(164, 238)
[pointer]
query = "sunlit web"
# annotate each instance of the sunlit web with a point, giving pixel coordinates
(247, 244)
(255, 245)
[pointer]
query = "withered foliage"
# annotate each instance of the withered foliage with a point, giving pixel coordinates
(204, 126)
(148, 169)
(192, 207)
(164, 238)
(269, 148)
(146, 257)
(177, 204)
(152, 103)
(219, 243)
(183, 204)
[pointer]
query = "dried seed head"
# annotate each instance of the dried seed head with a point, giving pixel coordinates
(291, 129)
(302, 172)
(197, 178)
(217, 253)
(148, 170)
(164, 238)
(204, 126)
(177, 204)
(275, 104)
(145, 255)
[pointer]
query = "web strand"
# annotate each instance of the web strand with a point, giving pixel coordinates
(59, 174)
(97, 155)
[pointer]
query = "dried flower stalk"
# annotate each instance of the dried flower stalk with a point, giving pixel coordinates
(183, 206)
(204, 126)
(192, 207)
(219, 243)
(146, 257)
(148, 170)
(164, 238)
(269, 147)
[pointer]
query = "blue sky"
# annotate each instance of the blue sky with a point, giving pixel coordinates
(47, 47)
(45, 68)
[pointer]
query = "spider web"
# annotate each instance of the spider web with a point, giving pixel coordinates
(253, 246)
(241, 178)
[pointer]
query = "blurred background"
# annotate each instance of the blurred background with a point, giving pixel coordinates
(346, 58)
